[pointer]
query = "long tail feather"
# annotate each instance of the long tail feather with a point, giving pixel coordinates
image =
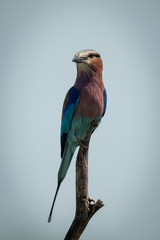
(50, 215)
(67, 157)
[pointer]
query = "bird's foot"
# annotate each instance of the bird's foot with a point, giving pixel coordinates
(95, 123)
(81, 143)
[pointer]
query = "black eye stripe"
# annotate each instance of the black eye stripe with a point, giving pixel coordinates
(91, 55)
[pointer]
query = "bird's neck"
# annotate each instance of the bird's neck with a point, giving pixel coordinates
(87, 75)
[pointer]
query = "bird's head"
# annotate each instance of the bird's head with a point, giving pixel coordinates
(88, 60)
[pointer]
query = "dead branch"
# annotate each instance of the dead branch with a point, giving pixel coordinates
(85, 207)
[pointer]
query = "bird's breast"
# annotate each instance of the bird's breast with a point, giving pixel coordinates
(91, 101)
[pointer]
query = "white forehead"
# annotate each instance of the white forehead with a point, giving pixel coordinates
(85, 53)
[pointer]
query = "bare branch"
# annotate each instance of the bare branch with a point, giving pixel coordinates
(85, 207)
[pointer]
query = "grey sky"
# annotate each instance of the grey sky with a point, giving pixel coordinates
(38, 41)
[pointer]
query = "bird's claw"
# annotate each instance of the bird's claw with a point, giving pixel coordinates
(81, 144)
(95, 123)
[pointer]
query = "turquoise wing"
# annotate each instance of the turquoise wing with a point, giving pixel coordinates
(69, 107)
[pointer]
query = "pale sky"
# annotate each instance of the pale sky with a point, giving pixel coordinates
(38, 42)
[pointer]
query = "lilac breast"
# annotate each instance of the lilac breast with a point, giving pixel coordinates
(91, 100)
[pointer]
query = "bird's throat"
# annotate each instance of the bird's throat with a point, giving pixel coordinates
(87, 74)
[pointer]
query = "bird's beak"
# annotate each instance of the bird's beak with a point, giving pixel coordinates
(78, 60)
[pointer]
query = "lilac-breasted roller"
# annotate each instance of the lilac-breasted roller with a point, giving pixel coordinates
(85, 102)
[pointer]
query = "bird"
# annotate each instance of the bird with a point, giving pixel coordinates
(84, 103)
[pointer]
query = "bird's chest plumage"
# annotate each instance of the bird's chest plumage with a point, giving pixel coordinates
(90, 107)
(91, 101)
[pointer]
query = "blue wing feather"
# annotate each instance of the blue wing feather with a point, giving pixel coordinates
(105, 101)
(70, 105)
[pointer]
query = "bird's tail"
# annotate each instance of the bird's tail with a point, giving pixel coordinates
(50, 215)
(66, 160)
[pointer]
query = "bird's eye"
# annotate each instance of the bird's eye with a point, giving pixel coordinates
(91, 55)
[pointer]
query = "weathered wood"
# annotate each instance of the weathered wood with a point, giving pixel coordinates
(85, 207)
